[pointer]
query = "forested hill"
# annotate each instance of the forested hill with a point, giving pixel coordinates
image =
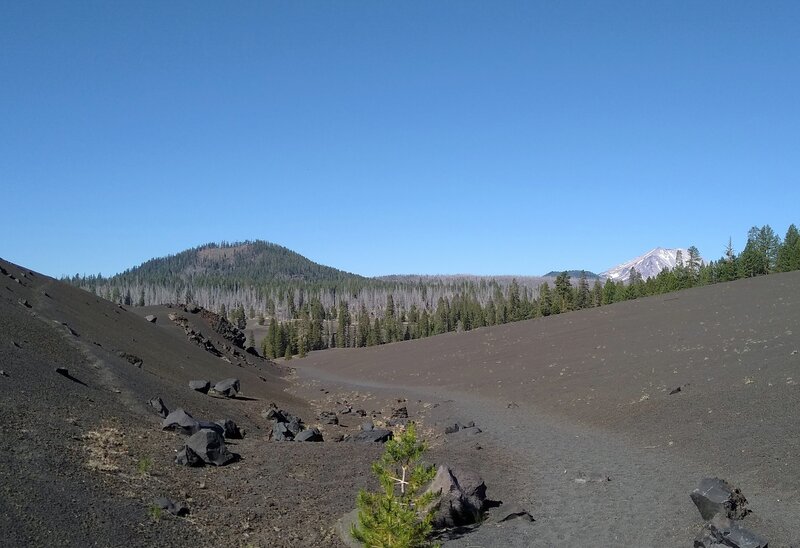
(235, 264)
(272, 281)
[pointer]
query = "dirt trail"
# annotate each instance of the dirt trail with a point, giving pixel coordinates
(584, 486)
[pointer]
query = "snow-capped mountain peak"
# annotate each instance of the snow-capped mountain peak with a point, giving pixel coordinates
(648, 265)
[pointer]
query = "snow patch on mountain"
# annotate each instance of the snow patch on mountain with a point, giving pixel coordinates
(648, 265)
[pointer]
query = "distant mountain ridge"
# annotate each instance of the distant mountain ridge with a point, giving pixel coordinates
(648, 265)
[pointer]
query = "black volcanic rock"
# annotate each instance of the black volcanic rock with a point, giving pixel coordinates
(714, 496)
(227, 387)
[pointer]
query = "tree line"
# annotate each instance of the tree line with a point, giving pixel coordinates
(351, 311)
(316, 328)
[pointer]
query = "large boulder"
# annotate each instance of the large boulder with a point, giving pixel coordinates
(227, 387)
(151, 318)
(714, 496)
(200, 386)
(209, 447)
(208, 425)
(461, 499)
(181, 421)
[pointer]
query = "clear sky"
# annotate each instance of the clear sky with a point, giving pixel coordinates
(395, 137)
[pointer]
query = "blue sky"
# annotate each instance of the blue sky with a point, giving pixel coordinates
(395, 137)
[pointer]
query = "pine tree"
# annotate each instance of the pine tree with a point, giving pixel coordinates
(693, 264)
(400, 515)
(545, 300)
(609, 291)
(582, 298)
(789, 252)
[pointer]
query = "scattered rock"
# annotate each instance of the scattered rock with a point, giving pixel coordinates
(230, 430)
(25, 303)
(281, 433)
(312, 434)
(400, 413)
(722, 531)
(462, 497)
(151, 318)
(158, 405)
(3, 373)
(200, 385)
(175, 508)
(468, 428)
(192, 309)
(252, 350)
(62, 371)
(274, 414)
(360, 413)
(377, 435)
(507, 512)
(132, 359)
(675, 391)
(512, 405)
(469, 431)
(368, 426)
(328, 417)
(227, 387)
(207, 446)
(715, 496)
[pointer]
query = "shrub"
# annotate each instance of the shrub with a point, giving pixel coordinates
(398, 515)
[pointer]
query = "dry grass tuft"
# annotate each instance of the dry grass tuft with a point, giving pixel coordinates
(106, 449)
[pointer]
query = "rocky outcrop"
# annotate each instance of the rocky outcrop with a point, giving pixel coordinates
(225, 328)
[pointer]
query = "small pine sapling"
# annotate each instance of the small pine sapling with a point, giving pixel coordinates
(398, 515)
